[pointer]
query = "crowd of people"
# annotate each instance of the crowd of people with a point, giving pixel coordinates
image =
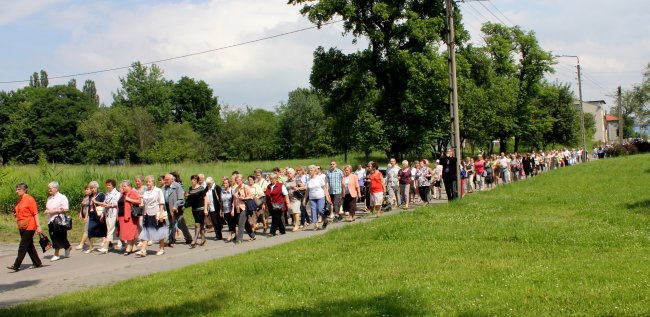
(130, 216)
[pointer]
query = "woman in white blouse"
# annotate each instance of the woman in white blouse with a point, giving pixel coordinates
(154, 227)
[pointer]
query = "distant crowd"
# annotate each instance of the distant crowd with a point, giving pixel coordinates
(128, 216)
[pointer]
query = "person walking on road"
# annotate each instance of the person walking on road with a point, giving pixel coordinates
(57, 204)
(449, 173)
(174, 205)
(154, 226)
(26, 214)
(128, 224)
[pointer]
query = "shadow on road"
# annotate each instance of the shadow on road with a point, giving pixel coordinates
(17, 285)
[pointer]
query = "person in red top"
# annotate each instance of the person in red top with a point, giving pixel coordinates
(376, 188)
(128, 224)
(277, 200)
(26, 214)
(479, 169)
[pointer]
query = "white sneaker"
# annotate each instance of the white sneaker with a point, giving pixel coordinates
(149, 242)
(89, 251)
(67, 252)
(79, 247)
(103, 250)
(55, 258)
(160, 252)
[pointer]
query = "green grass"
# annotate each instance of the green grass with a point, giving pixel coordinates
(571, 242)
(73, 178)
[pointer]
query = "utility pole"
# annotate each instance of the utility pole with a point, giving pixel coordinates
(582, 111)
(620, 116)
(453, 92)
(582, 114)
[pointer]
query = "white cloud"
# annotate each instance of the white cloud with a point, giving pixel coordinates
(106, 37)
(15, 10)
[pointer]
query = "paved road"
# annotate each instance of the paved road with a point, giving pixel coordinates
(81, 270)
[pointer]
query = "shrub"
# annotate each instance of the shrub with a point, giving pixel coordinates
(616, 150)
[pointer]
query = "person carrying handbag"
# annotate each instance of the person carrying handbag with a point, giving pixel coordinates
(57, 206)
(277, 199)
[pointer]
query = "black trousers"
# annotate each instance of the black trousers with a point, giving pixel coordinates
(304, 215)
(27, 247)
(276, 221)
(231, 221)
(450, 188)
(424, 193)
(217, 223)
(59, 237)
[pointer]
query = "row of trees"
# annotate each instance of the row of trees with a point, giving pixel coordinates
(389, 97)
(393, 95)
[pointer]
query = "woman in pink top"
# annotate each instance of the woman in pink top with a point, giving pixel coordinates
(57, 204)
(479, 169)
(352, 192)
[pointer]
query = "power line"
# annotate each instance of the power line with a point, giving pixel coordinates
(492, 13)
(493, 5)
(181, 56)
(469, 5)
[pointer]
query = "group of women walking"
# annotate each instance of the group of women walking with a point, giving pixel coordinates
(303, 198)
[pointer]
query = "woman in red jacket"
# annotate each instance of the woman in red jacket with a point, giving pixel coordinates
(128, 224)
(277, 199)
(26, 214)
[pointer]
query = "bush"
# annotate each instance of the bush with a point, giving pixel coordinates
(616, 150)
(643, 146)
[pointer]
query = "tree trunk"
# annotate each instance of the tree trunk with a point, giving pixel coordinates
(516, 150)
(502, 145)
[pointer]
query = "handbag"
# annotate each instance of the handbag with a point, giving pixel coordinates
(62, 222)
(277, 206)
(44, 242)
(251, 206)
(136, 211)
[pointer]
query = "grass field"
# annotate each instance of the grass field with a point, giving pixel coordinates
(571, 242)
(73, 178)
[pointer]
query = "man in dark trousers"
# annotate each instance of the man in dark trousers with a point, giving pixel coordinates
(449, 171)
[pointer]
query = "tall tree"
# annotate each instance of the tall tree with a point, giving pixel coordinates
(34, 81)
(403, 38)
(90, 90)
(45, 120)
(45, 81)
(145, 87)
(193, 101)
(304, 130)
(250, 134)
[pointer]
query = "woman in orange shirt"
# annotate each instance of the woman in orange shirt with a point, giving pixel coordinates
(26, 214)
(376, 188)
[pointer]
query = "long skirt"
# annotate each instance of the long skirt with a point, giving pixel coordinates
(153, 230)
(96, 227)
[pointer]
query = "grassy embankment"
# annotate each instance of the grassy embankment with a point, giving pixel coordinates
(571, 242)
(73, 178)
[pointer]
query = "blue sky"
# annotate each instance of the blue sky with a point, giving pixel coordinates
(66, 37)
